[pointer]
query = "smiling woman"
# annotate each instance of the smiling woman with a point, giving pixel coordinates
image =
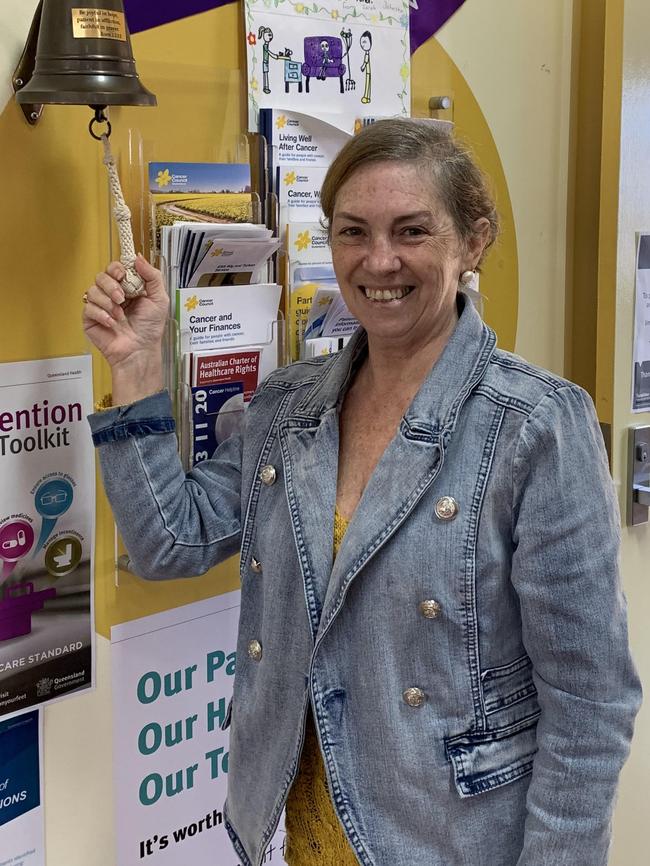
(415, 523)
(398, 256)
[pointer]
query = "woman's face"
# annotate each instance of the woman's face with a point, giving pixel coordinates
(396, 254)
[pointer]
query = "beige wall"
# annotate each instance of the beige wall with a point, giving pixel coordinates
(516, 58)
(631, 825)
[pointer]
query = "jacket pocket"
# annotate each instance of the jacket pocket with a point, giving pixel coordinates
(505, 686)
(487, 760)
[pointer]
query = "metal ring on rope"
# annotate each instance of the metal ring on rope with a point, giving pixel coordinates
(99, 117)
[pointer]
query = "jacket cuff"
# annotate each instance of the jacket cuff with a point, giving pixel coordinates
(151, 415)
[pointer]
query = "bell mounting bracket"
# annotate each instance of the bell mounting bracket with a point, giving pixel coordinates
(25, 69)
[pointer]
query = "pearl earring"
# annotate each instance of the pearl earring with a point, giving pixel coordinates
(466, 278)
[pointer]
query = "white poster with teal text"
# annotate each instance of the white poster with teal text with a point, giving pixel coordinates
(172, 682)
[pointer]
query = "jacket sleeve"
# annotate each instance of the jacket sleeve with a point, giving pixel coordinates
(173, 524)
(565, 572)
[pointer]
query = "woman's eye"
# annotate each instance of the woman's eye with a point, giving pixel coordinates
(413, 231)
(350, 232)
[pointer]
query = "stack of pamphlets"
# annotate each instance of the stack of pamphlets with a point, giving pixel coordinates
(229, 342)
(211, 192)
(309, 268)
(203, 254)
(328, 317)
(218, 268)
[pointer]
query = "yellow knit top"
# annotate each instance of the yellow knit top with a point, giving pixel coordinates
(314, 835)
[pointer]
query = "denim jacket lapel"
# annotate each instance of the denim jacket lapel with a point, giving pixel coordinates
(406, 470)
(413, 459)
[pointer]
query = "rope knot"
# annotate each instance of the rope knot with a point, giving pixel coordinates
(132, 284)
(122, 212)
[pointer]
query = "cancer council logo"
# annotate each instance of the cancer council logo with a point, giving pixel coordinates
(303, 240)
(191, 303)
(163, 178)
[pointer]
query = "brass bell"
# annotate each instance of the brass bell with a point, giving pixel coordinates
(78, 55)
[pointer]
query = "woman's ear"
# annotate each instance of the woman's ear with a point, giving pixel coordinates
(478, 240)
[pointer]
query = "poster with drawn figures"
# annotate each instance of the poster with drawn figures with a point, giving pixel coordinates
(22, 826)
(47, 508)
(172, 676)
(342, 56)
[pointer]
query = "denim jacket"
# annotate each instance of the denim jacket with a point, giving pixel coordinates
(466, 654)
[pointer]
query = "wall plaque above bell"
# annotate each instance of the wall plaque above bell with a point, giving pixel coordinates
(78, 55)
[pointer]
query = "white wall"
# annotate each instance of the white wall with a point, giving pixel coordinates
(516, 57)
(630, 847)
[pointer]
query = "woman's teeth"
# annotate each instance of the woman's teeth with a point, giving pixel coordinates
(387, 294)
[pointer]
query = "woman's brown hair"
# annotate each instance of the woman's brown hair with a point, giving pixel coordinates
(461, 185)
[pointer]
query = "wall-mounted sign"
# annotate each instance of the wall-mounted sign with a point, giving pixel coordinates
(172, 681)
(641, 350)
(22, 831)
(47, 507)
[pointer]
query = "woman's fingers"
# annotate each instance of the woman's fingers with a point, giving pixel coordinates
(99, 298)
(100, 308)
(109, 284)
(117, 271)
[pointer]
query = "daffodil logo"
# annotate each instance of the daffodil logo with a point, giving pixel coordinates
(281, 122)
(290, 177)
(163, 178)
(191, 303)
(217, 252)
(324, 302)
(303, 240)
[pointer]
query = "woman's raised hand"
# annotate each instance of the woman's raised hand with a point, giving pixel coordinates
(130, 338)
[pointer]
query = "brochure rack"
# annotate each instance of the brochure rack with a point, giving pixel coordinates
(144, 143)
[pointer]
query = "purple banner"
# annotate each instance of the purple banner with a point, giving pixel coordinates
(145, 14)
(428, 16)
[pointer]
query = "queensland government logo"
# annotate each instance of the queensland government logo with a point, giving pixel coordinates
(44, 687)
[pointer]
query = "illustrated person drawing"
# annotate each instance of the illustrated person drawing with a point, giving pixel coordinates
(324, 59)
(432, 661)
(365, 42)
(266, 35)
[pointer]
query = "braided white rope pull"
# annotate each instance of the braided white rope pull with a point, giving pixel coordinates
(132, 284)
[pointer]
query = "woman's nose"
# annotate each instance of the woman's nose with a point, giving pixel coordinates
(381, 257)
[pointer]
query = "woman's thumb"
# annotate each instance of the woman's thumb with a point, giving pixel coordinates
(152, 276)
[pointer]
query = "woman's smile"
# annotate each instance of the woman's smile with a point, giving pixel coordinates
(387, 293)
